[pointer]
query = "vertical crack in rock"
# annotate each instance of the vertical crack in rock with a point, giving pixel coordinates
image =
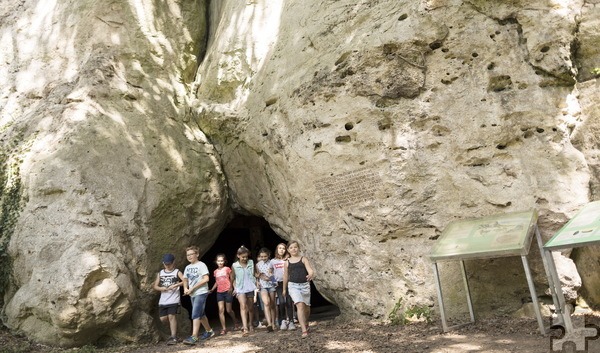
(204, 41)
(584, 48)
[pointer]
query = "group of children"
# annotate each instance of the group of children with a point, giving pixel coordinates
(282, 282)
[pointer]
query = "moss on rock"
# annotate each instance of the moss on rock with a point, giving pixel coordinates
(10, 207)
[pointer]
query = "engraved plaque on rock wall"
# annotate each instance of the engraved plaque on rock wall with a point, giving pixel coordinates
(348, 189)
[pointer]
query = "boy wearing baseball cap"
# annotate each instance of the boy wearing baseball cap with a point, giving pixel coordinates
(167, 282)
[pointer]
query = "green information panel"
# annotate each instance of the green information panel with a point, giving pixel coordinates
(582, 229)
(506, 234)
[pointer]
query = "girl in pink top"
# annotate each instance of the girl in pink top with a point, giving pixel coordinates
(224, 289)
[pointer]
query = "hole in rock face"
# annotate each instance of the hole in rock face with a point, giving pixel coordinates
(270, 101)
(349, 126)
(343, 139)
(435, 45)
(384, 124)
(254, 233)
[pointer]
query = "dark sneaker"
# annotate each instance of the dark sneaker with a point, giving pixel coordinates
(172, 340)
(208, 334)
(190, 340)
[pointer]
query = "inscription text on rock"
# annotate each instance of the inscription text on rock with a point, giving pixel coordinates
(348, 189)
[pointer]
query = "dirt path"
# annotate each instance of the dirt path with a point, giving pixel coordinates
(496, 336)
(330, 334)
(499, 335)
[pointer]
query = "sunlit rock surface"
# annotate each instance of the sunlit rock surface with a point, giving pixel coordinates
(111, 172)
(359, 128)
(363, 128)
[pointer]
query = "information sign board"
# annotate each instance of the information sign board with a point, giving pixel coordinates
(581, 230)
(507, 234)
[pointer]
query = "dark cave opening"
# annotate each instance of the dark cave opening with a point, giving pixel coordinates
(254, 233)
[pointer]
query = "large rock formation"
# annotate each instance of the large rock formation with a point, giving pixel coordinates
(109, 171)
(359, 128)
(365, 128)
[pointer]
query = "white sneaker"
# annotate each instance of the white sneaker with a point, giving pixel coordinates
(284, 325)
(260, 325)
(291, 326)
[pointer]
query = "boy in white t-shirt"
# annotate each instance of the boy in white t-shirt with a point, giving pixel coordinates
(195, 284)
(167, 282)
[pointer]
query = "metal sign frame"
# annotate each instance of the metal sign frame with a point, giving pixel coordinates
(581, 230)
(493, 236)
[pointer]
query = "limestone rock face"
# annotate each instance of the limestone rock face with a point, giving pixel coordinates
(106, 171)
(586, 136)
(568, 275)
(588, 265)
(363, 129)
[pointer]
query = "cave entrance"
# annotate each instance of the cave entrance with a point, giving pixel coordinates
(254, 233)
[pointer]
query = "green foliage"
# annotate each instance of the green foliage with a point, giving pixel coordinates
(88, 348)
(9, 212)
(10, 207)
(398, 316)
(596, 71)
(15, 349)
(420, 312)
